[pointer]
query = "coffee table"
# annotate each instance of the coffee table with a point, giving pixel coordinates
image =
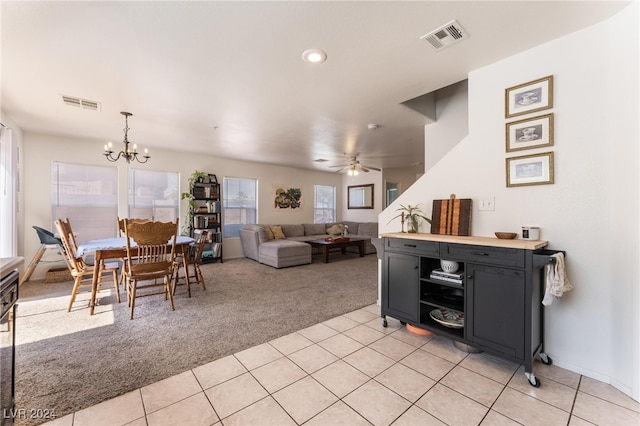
(342, 245)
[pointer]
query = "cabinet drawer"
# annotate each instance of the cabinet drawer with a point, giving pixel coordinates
(484, 254)
(424, 248)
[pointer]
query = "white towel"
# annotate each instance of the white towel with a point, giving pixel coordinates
(556, 281)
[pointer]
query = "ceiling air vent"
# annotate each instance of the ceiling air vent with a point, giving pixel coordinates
(81, 103)
(446, 35)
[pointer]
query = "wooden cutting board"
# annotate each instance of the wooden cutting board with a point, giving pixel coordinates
(452, 216)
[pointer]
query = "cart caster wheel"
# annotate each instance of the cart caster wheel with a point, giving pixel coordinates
(533, 380)
(403, 323)
(385, 323)
(546, 359)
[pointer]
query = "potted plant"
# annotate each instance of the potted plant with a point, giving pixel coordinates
(411, 214)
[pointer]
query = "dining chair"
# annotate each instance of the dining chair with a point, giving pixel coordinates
(151, 248)
(121, 233)
(81, 271)
(191, 260)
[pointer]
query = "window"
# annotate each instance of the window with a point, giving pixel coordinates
(324, 204)
(240, 205)
(88, 196)
(8, 198)
(154, 195)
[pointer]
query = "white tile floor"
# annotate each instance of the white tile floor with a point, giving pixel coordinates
(351, 371)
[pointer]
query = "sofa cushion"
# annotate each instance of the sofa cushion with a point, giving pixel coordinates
(314, 228)
(293, 230)
(262, 236)
(351, 226)
(283, 253)
(337, 229)
(368, 228)
(277, 232)
(269, 233)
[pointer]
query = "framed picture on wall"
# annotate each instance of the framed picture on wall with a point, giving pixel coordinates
(287, 197)
(534, 169)
(531, 133)
(533, 96)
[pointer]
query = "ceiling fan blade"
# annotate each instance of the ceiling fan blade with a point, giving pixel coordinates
(341, 165)
(371, 168)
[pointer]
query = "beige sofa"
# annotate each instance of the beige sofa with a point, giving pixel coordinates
(292, 250)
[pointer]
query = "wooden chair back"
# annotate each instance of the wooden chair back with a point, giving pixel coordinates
(121, 227)
(191, 263)
(154, 249)
(196, 255)
(76, 264)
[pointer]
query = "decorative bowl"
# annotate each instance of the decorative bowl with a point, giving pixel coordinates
(506, 235)
(449, 265)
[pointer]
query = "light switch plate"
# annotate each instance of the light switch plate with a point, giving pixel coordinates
(486, 204)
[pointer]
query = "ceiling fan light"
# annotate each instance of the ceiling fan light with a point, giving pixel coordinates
(314, 56)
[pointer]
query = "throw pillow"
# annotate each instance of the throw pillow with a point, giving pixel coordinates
(336, 229)
(277, 232)
(269, 233)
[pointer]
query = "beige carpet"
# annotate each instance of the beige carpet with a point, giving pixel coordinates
(69, 361)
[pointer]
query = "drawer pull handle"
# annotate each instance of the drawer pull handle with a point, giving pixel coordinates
(479, 253)
(410, 245)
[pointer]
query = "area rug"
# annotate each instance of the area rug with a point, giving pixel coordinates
(69, 361)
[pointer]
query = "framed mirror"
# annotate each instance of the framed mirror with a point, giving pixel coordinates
(360, 196)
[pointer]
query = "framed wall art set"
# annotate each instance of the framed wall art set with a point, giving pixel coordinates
(530, 132)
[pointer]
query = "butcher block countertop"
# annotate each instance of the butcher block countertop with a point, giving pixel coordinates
(478, 241)
(8, 264)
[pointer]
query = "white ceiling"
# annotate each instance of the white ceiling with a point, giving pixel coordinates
(227, 78)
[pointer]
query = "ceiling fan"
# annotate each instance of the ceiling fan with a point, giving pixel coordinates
(354, 167)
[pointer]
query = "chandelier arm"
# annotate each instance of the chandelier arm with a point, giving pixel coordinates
(146, 158)
(110, 157)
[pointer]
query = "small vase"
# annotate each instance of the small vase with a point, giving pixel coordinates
(413, 226)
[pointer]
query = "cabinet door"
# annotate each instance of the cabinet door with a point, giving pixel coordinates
(400, 293)
(495, 308)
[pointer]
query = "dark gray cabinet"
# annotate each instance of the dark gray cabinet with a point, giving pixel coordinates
(400, 298)
(500, 294)
(494, 308)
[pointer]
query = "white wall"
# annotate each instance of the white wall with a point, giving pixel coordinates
(451, 126)
(363, 215)
(40, 150)
(403, 176)
(592, 209)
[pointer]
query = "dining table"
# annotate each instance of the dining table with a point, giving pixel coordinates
(116, 248)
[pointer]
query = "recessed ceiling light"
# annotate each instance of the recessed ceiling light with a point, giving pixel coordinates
(314, 56)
